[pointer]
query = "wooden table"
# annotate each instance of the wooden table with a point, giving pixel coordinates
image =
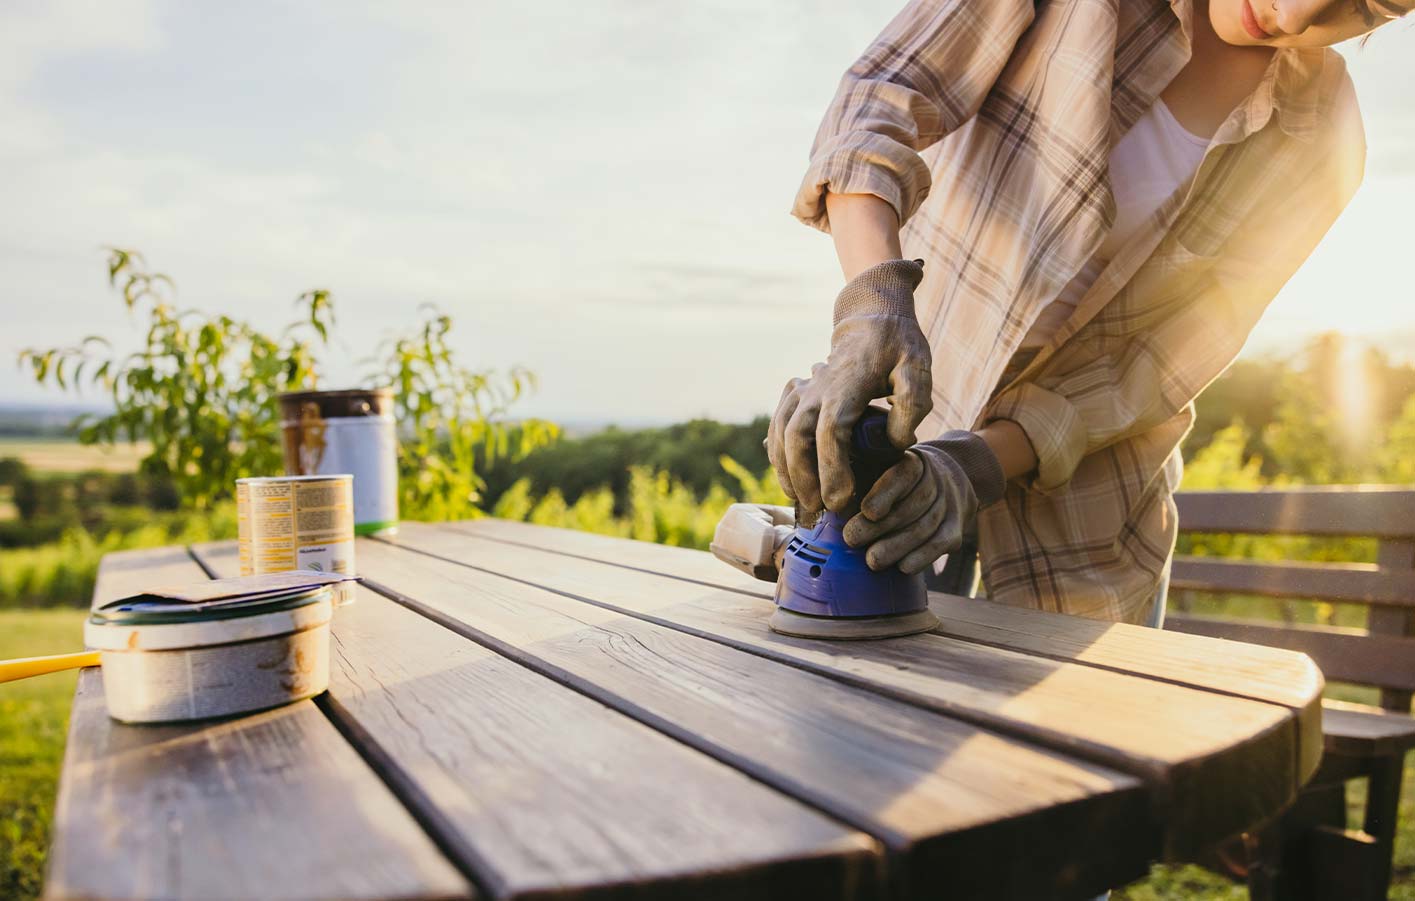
(519, 711)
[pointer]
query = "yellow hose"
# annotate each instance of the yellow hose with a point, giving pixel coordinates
(10, 670)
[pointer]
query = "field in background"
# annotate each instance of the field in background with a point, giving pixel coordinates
(50, 455)
(34, 718)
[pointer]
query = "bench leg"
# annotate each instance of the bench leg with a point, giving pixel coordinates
(1382, 810)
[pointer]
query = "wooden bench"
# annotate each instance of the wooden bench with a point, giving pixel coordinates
(1316, 856)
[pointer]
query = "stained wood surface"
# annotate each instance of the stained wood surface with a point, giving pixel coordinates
(568, 715)
(1214, 763)
(544, 792)
(1374, 511)
(924, 784)
(270, 805)
(1244, 670)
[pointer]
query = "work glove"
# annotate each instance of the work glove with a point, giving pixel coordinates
(876, 350)
(752, 538)
(922, 507)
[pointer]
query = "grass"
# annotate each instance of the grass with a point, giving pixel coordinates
(34, 719)
(42, 455)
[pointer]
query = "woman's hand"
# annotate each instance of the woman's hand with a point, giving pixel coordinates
(923, 506)
(876, 350)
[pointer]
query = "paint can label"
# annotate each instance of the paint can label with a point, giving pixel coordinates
(297, 522)
(364, 446)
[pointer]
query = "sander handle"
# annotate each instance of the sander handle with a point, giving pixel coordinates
(871, 451)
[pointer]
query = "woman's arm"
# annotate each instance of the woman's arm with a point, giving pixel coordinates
(865, 229)
(1010, 445)
(866, 233)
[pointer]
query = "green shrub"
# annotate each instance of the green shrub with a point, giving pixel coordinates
(660, 508)
(62, 572)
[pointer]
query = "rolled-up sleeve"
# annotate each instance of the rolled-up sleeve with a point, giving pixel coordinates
(922, 78)
(1109, 386)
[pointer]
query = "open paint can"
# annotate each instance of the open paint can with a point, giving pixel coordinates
(285, 523)
(328, 432)
(166, 660)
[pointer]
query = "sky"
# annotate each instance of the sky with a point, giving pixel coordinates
(597, 190)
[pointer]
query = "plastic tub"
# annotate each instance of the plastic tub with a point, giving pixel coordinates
(166, 661)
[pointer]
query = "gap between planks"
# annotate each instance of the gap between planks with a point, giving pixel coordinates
(131, 804)
(442, 835)
(1273, 675)
(848, 861)
(1236, 759)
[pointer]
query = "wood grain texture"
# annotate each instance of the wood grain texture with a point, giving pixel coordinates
(1346, 655)
(1375, 511)
(270, 805)
(943, 796)
(1242, 670)
(661, 559)
(1214, 763)
(1245, 670)
(1345, 583)
(546, 793)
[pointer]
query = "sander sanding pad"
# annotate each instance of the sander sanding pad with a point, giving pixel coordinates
(851, 628)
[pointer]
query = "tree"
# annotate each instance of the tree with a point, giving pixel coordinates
(203, 391)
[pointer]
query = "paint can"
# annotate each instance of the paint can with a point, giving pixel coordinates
(297, 522)
(326, 432)
(166, 660)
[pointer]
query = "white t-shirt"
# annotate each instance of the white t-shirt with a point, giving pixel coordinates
(1147, 165)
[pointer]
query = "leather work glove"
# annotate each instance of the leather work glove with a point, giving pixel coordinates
(876, 350)
(923, 506)
(753, 537)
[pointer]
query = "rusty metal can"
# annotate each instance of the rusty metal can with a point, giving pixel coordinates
(297, 522)
(324, 432)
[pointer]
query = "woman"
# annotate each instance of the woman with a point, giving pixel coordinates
(1097, 203)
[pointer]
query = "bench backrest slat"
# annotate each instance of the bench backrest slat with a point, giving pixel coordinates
(1342, 583)
(1384, 656)
(1341, 654)
(1355, 510)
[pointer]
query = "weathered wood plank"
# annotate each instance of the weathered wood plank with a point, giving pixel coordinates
(1376, 511)
(1346, 583)
(270, 805)
(1243, 670)
(1249, 670)
(928, 786)
(1215, 763)
(679, 562)
(1346, 655)
(545, 792)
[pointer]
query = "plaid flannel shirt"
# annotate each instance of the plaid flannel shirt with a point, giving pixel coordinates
(987, 125)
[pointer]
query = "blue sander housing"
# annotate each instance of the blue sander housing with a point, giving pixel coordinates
(826, 589)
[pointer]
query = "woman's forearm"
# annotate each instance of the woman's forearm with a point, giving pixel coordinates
(865, 229)
(866, 233)
(1011, 446)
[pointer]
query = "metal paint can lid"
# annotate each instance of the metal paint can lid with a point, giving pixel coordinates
(266, 480)
(297, 405)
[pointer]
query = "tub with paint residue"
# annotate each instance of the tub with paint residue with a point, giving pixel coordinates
(165, 661)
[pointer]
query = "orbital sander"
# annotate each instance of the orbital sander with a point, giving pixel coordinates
(825, 589)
